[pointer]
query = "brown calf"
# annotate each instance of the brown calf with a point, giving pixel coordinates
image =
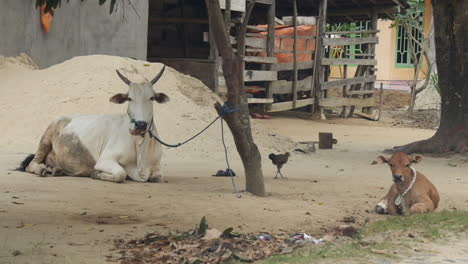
(407, 195)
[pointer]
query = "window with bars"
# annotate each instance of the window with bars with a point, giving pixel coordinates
(404, 42)
(352, 50)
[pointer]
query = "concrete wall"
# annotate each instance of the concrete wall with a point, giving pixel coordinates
(79, 27)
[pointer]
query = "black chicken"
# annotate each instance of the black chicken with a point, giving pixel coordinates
(279, 160)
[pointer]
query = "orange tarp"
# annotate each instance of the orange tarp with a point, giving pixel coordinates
(288, 43)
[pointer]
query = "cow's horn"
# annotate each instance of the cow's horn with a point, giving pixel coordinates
(123, 78)
(158, 76)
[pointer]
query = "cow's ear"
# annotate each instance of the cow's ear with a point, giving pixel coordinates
(160, 98)
(119, 98)
(382, 159)
(416, 159)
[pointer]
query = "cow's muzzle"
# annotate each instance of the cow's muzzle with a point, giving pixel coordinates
(141, 125)
(397, 178)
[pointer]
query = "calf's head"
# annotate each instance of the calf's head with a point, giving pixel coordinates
(400, 165)
(140, 98)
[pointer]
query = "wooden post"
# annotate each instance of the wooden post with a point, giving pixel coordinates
(271, 44)
(321, 49)
(345, 93)
(227, 15)
(294, 85)
(373, 26)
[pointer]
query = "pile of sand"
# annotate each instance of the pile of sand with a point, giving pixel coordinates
(428, 99)
(30, 99)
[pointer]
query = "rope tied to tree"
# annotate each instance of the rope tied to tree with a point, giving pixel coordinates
(224, 111)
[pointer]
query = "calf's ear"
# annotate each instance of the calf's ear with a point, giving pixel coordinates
(160, 98)
(416, 159)
(382, 159)
(119, 98)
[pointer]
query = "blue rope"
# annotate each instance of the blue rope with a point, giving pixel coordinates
(225, 110)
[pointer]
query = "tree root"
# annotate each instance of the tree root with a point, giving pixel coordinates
(433, 145)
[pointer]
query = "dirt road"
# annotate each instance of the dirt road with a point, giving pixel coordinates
(75, 220)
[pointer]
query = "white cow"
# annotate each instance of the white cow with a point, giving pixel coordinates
(105, 147)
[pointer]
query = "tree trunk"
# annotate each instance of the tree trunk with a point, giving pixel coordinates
(238, 121)
(451, 36)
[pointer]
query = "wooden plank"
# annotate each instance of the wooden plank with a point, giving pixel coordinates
(283, 36)
(294, 85)
(235, 5)
(298, 52)
(290, 66)
(327, 61)
(349, 41)
(258, 35)
(246, 87)
(255, 50)
(350, 81)
(321, 54)
(352, 32)
(260, 100)
(361, 92)
(367, 116)
(285, 87)
(336, 102)
(283, 106)
(256, 28)
(256, 42)
(270, 47)
(360, 54)
(227, 11)
(258, 59)
(252, 76)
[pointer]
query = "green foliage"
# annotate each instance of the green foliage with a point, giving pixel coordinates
(430, 226)
(202, 227)
(435, 81)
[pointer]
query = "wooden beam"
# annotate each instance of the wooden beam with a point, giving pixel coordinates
(277, 107)
(256, 28)
(298, 52)
(257, 59)
(352, 32)
(290, 66)
(338, 83)
(294, 86)
(327, 61)
(270, 45)
(253, 76)
(360, 54)
(336, 102)
(285, 87)
(361, 92)
(256, 42)
(260, 100)
(259, 35)
(320, 55)
(349, 41)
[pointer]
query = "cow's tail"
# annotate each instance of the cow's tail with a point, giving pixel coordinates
(25, 162)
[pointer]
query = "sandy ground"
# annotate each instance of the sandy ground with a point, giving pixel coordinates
(74, 220)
